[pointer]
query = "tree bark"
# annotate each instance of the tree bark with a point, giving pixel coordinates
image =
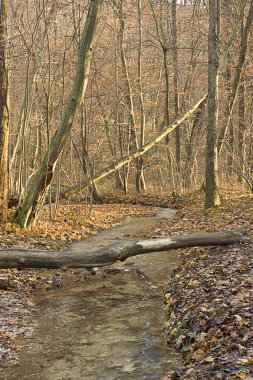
(212, 188)
(140, 180)
(43, 177)
(192, 147)
(4, 112)
(175, 78)
(242, 129)
(75, 257)
(231, 140)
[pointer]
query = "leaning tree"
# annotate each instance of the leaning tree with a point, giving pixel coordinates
(42, 178)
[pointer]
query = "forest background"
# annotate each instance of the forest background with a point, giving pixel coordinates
(148, 62)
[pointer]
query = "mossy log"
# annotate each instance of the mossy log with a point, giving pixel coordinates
(75, 257)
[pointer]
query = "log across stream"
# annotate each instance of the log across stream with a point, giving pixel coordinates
(103, 328)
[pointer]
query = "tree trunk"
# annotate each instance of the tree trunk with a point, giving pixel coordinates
(192, 146)
(4, 112)
(140, 180)
(175, 75)
(75, 256)
(42, 179)
(241, 130)
(170, 167)
(167, 87)
(230, 158)
(133, 141)
(212, 195)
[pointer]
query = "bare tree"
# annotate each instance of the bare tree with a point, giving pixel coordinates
(42, 178)
(4, 112)
(176, 77)
(140, 181)
(212, 195)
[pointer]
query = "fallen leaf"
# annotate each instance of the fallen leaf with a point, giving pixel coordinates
(241, 374)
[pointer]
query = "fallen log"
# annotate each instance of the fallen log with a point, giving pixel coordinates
(76, 257)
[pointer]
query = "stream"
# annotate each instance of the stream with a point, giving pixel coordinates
(106, 327)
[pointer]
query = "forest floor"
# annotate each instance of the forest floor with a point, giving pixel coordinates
(208, 303)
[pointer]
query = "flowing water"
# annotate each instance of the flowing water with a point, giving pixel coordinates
(107, 327)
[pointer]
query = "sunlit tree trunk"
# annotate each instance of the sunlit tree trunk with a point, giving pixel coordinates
(140, 181)
(4, 112)
(212, 194)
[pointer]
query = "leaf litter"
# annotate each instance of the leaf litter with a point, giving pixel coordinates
(209, 301)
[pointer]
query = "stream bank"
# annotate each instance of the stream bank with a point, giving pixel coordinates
(210, 299)
(106, 327)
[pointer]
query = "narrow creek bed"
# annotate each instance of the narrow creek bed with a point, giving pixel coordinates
(107, 327)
